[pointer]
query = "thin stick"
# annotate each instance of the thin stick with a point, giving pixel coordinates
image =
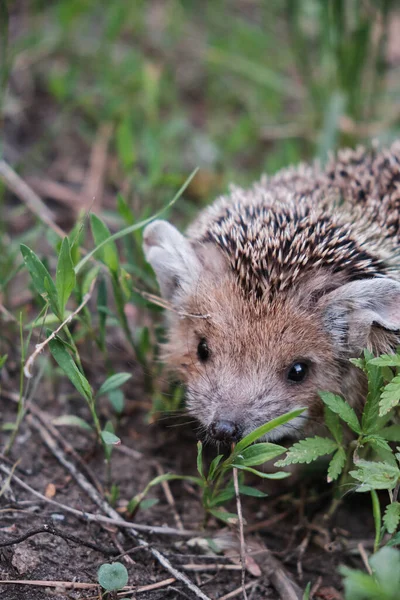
(19, 187)
(170, 499)
(93, 518)
(40, 347)
(76, 585)
(241, 532)
(109, 511)
(364, 557)
(238, 590)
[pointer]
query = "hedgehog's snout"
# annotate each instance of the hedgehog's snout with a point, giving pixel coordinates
(225, 431)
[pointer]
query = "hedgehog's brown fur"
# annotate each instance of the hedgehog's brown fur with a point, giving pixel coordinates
(304, 267)
(345, 217)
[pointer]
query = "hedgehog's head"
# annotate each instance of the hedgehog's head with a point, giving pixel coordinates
(246, 359)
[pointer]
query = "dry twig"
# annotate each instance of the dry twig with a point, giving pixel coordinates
(19, 187)
(241, 532)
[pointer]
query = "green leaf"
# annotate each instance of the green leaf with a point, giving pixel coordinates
(247, 490)
(117, 400)
(376, 441)
(213, 466)
(264, 429)
(306, 595)
(336, 465)
(390, 396)
(332, 421)
(391, 433)
(308, 450)
(200, 459)
(258, 454)
(341, 408)
(41, 278)
(276, 475)
(224, 516)
(148, 503)
(395, 540)
(370, 418)
(386, 360)
(65, 275)
(391, 518)
(375, 475)
(71, 421)
(110, 439)
(107, 253)
(114, 382)
(385, 565)
(112, 577)
(64, 359)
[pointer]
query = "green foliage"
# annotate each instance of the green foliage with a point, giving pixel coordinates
(383, 584)
(112, 577)
(367, 462)
(217, 485)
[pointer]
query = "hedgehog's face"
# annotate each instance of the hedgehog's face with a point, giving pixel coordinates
(246, 362)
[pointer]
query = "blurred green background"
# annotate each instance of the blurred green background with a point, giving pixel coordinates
(235, 87)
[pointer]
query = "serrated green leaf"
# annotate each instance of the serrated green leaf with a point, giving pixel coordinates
(112, 576)
(276, 475)
(258, 454)
(391, 433)
(65, 275)
(71, 421)
(391, 518)
(264, 429)
(110, 439)
(336, 465)
(375, 475)
(308, 450)
(386, 360)
(341, 408)
(332, 421)
(390, 397)
(41, 278)
(114, 382)
(376, 441)
(108, 253)
(67, 364)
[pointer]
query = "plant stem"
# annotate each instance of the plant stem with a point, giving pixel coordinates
(376, 510)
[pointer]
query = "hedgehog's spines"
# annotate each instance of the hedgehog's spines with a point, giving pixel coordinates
(345, 218)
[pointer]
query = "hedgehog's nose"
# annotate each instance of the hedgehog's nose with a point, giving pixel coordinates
(225, 431)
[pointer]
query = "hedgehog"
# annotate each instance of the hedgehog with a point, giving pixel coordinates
(274, 288)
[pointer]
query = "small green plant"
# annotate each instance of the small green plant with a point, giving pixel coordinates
(217, 484)
(382, 584)
(112, 577)
(368, 462)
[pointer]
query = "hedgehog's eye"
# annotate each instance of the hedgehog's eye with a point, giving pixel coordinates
(297, 372)
(203, 351)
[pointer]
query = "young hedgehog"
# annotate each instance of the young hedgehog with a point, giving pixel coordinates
(292, 278)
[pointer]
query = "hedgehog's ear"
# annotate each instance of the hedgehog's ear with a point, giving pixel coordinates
(172, 257)
(363, 314)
